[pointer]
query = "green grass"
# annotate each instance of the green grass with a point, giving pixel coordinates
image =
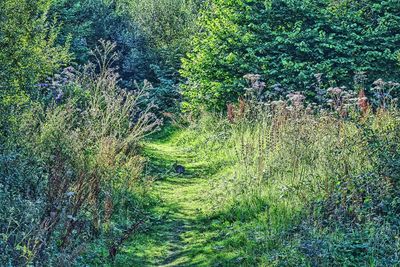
(224, 211)
(181, 232)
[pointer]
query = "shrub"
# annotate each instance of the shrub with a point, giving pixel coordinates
(72, 167)
(28, 55)
(87, 21)
(288, 42)
(166, 23)
(167, 26)
(151, 37)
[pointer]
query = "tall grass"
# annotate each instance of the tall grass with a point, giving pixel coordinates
(293, 174)
(72, 171)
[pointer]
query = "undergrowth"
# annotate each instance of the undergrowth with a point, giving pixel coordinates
(304, 186)
(71, 173)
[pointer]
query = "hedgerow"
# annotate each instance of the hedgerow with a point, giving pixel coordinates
(289, 42)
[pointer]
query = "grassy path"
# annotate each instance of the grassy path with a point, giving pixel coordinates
(180, 233)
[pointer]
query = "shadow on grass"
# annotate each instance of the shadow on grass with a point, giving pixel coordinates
(179, 233)
(177, 241)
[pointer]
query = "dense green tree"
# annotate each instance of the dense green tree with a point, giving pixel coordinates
(28, 53)
(88, 21)
(167, 26)
(166, 23)
(288, 42)
(151, 37)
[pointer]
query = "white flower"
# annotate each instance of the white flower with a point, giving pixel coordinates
(335, 90)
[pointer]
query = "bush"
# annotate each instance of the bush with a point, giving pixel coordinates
(87, 21)
(28, 54)
(166, 23)
(288, 42)
(167, 26)
(151, 37)
(73, 168)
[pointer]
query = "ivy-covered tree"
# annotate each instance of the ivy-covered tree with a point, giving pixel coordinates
(288, 42)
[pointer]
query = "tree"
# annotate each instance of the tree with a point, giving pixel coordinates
(166, 23)
(28, 54)
(288, 42)
(88, 21)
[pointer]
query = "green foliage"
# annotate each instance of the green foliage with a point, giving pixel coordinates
(166, 23)
(28, 54)
(167, 26)
(289, 184)
(151, 37)
(297, 187)
(71, 172)
(88, 21)
(288, 42)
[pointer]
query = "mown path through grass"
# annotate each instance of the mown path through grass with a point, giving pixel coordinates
(180, 233)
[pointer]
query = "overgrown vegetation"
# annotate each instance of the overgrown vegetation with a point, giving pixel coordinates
(72, 165)
(301, 185)
(28, 54)
(280, 147)
(288, 42)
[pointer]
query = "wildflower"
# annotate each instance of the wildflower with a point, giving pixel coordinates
(379, 83)
(334, 90)
(258, 85)
(278, 103)
(69, 69)
(59, 96)
(362, 102)
(353, 99)
(252, 77)
(267, 104)
(296, 98)
(277, 87)
(360, 77)
(43, 85)
(147, 84)
(393, 84)
(231, 113)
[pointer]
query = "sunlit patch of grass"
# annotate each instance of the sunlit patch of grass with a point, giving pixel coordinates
(253, 196)
(181, 231)
(270, 178)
